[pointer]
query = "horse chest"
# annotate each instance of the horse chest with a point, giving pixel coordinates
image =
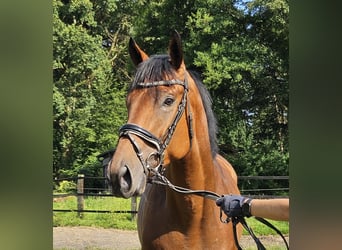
(161, 227)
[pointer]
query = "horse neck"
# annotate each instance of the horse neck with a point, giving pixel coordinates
(195, 170)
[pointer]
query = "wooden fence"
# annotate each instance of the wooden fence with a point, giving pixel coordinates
(82, 192)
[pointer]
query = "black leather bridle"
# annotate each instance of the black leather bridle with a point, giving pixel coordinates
(155, 159)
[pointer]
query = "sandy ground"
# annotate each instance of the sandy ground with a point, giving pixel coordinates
(91, 238)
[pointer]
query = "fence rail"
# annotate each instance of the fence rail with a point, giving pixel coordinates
(104, 192)
(281, 177)
(96, 211)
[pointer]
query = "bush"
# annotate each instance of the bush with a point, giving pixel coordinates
(66, 187)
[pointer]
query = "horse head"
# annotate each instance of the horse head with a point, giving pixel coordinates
(158, 130)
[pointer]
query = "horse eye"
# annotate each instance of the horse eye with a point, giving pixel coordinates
(168, 101)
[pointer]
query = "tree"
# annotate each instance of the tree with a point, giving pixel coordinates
(239, 47)
(244, 62)
(157, 19)
(88, 91)
(241, 50)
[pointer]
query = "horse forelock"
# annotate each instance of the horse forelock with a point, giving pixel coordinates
(157, 68)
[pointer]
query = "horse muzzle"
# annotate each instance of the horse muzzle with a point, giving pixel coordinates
(125, 181)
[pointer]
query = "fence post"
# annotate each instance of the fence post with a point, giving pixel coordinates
(134, 207)
(80, 197)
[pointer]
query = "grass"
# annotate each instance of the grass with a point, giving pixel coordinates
(261, 229)
(124, 220)
(105, 220)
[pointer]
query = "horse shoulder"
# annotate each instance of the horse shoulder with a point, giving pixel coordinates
(226, 177)
(227, 166)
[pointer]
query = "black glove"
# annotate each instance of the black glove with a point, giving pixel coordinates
(234, 205)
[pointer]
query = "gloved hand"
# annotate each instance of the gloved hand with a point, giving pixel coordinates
(232, 205)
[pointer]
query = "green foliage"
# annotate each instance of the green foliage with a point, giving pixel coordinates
(241, 50)
(66, 187)
(243, 57)
(88, 92)
(239, 47)
(155, 21)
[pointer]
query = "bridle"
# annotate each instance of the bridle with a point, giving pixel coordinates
(155, 159)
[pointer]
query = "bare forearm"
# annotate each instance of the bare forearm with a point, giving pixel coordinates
(274, 209)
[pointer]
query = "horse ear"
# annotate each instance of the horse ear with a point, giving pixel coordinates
(176, 50)
(137, 54)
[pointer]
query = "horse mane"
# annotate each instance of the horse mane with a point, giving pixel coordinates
(156, 68)
(211, 119)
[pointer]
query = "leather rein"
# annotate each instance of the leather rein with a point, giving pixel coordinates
(152, 165)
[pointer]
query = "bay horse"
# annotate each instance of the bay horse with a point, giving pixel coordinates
(171, 130)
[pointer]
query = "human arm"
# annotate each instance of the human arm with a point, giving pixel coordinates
(274, 209)
(236, 205)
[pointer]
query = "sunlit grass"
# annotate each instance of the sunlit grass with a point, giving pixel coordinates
(261, 229)
(105, 220)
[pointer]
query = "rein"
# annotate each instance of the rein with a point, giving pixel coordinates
(152, 165)
(162, 180)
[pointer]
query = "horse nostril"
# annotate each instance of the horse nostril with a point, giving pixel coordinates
(125, 179)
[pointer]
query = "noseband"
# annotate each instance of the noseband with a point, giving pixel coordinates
(155, 159)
